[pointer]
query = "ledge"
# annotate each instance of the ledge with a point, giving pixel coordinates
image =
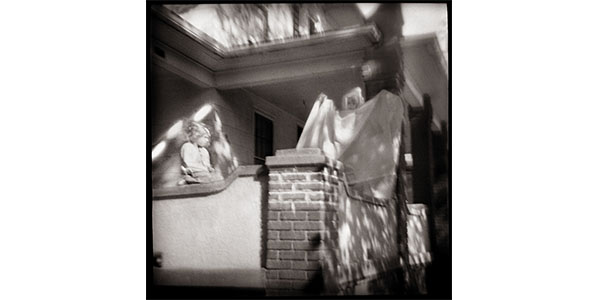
(278, 161)
(302, 157)
(315, 157)
(296, 157)
(302, 151)
(206, 188)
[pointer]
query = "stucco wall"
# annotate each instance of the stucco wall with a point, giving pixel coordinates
(174, 98)
(213, 240)
(284, 124)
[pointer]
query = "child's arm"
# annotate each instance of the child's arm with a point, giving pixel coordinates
(206, 159)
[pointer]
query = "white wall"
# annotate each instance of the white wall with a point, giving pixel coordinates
(213, 240)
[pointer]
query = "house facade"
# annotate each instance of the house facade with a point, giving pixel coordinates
(280, 219)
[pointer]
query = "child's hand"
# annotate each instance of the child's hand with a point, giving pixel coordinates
(187, 171)
(321, 97)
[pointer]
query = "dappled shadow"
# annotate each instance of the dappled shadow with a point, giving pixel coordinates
(166, 164)
(367, 246)
(418, 234)
(236, 26)
(372, 254)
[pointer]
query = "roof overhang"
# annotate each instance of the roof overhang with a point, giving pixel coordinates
(187, 49)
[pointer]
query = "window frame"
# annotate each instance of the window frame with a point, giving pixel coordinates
(270, 118)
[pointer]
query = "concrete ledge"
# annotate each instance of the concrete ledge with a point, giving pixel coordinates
(281, 161)
(303, 151)
(302, 157)
(207, 188)
(297, 157)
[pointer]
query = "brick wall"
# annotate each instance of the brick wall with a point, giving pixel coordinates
(309, 207)
(302, 223)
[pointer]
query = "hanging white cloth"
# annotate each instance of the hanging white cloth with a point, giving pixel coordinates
(366, 140)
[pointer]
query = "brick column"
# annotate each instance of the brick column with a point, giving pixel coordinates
(302, 221)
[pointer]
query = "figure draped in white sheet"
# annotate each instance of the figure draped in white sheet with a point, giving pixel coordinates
(364, 136)
(353, 99)
(196, 159)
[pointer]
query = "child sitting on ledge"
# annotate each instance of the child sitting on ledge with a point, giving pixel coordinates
(196, 159)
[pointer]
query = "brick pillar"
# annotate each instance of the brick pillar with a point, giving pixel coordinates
(302, 222)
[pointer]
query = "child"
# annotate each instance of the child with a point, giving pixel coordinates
(195, 156)
(353, 99)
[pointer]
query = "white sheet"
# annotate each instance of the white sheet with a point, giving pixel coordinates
(366, 140)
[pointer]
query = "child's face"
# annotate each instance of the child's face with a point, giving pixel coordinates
(203, 141)
(352, 102)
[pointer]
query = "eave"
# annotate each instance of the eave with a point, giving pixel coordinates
(190, 51)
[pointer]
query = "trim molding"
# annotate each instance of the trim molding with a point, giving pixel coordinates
(370, 31)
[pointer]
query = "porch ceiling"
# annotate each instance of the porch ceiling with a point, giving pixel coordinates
(193, 52)
(298, 97)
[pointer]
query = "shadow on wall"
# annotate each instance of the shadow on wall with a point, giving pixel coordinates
(365, 259)
(204, 284)
(263, 178)
(370, 244)
(166, 164)
(440, 272)
(364, 249)
(315, 285)
(195, 292)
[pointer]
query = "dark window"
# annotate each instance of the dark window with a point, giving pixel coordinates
(263, 139)
(300, 128)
